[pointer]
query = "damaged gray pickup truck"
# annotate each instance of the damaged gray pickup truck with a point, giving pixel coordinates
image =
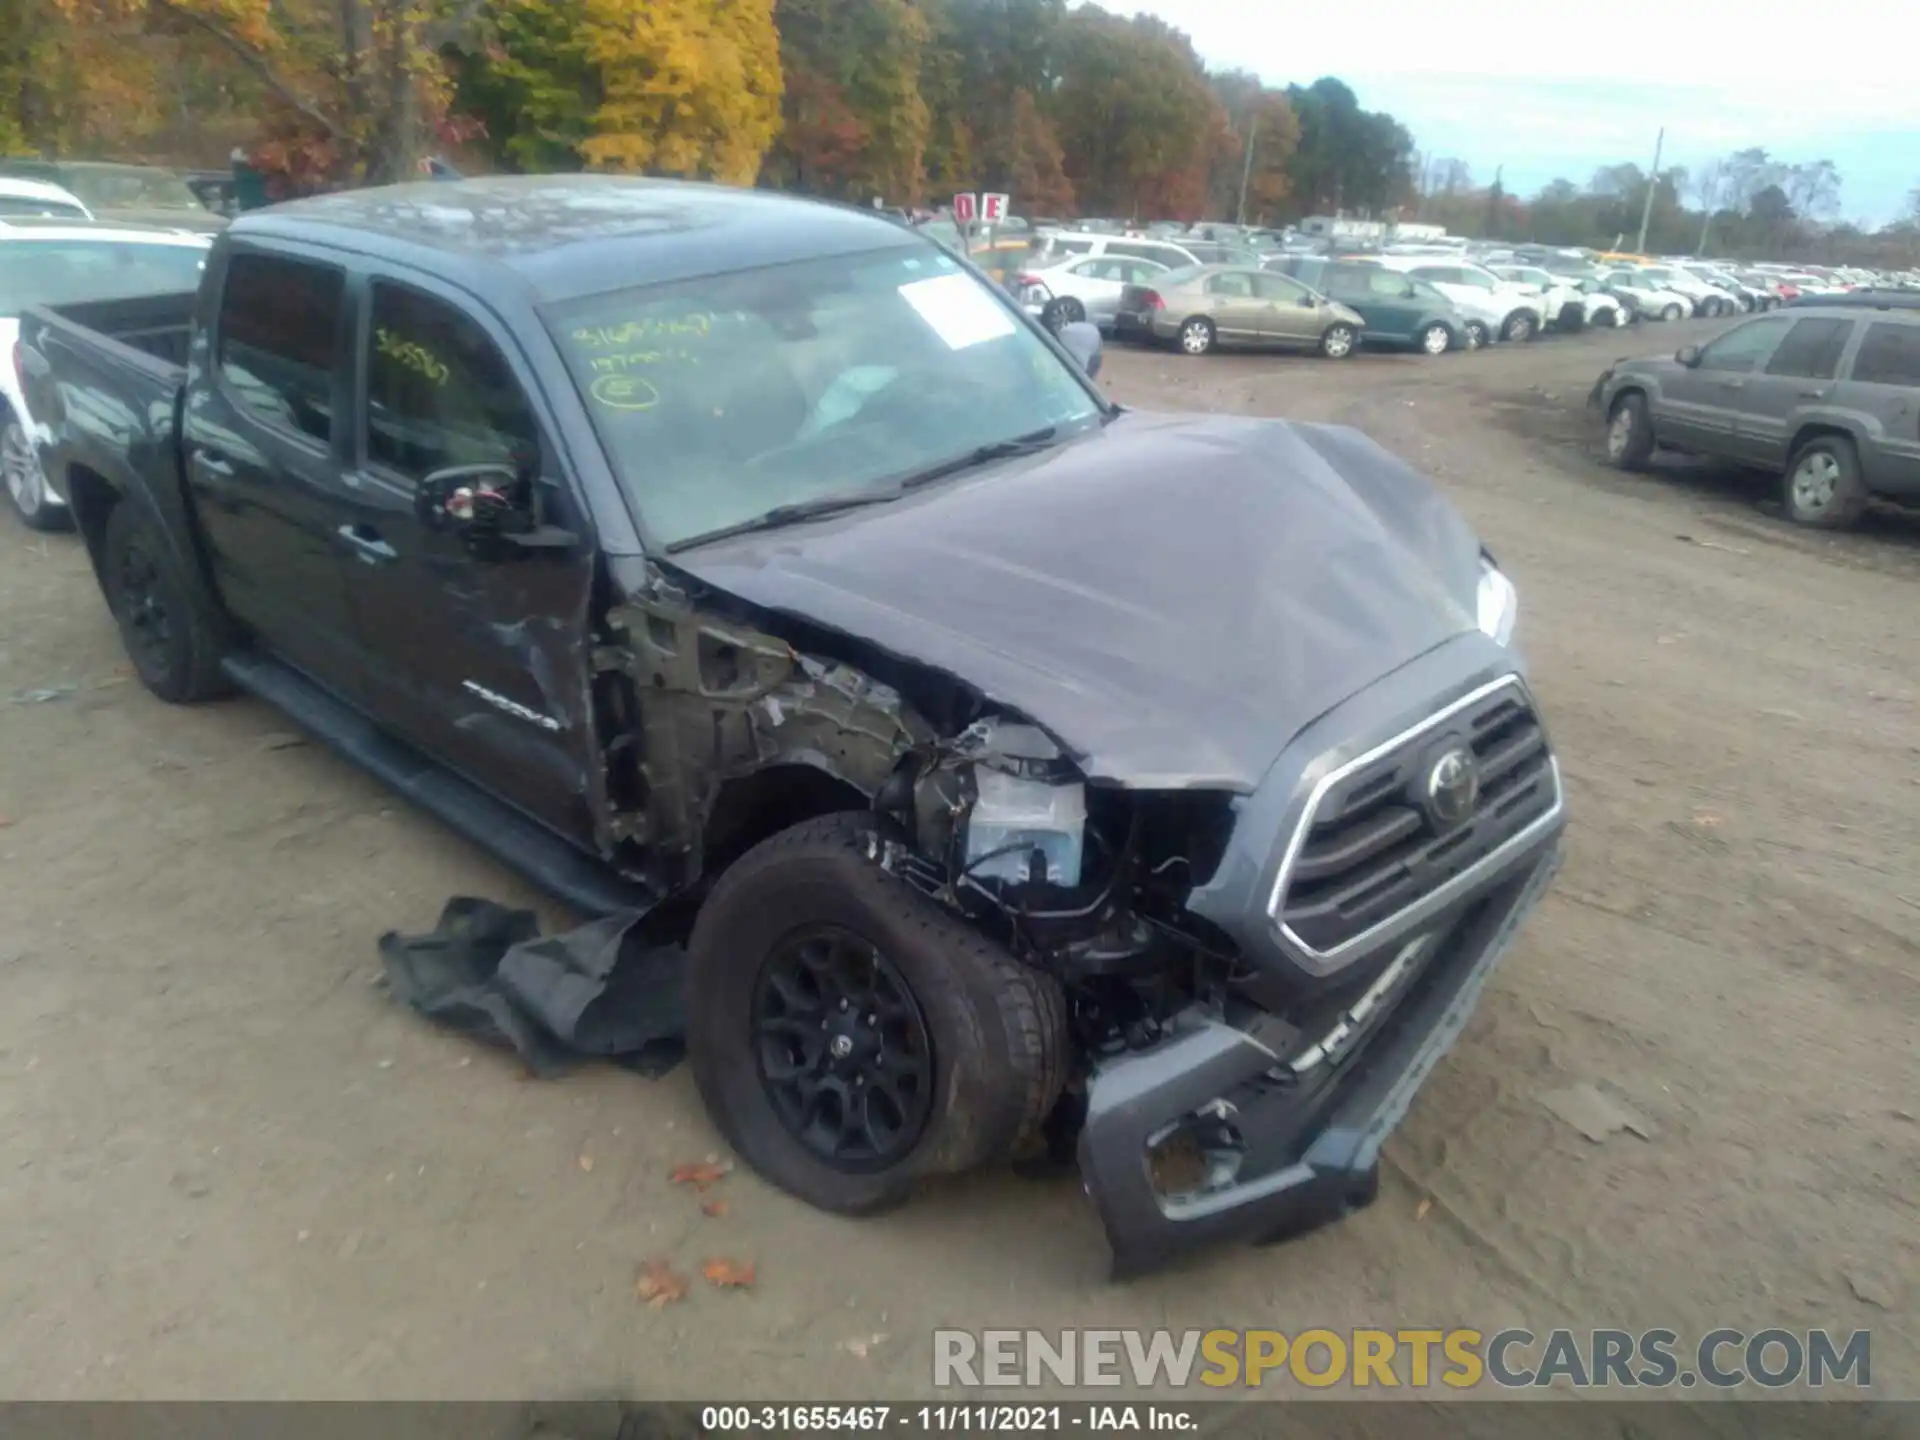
(1032, 773)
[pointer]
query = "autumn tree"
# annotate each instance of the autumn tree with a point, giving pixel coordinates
(858, 62)
(1347, 158)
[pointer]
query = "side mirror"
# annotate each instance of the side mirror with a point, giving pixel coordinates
(1309, 302)
(1081, 338)
(492, 507)
(1688, 355)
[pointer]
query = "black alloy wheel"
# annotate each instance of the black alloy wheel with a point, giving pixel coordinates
(843, 1049)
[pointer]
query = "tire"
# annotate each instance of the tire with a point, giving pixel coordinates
(1196, 336)
(1436, 339)
(27, 482)
(994, 1029)
(1629, 432)
(1072, 312)
(1672, 312)
(171, 632)
(1607, 319)
(1519, 327)
(1822, 487)
(1478, 336)
(1573, 319)
(1339, 341)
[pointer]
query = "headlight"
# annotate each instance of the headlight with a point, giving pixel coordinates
(1027, 798)
(1498, 603)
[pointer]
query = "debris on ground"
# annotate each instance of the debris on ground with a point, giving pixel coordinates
(1595, 1114)
(862, 1346)
(42, 696)
(1869, 1291)
(658, 1286)
(611, 989)
(713, 1209)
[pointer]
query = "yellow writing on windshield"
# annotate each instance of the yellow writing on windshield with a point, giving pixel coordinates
(625, 392)
(635, 332)
(417, 358)
(620, 364)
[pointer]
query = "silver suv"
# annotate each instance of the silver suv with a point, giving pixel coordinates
(1828, 394)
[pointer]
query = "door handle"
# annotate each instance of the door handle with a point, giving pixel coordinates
(1819, 394)
(365, 542)
(213, 464)
(1733, 384)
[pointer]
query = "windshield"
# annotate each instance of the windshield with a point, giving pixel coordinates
(130, 187)
(65, 272)
(726, 397)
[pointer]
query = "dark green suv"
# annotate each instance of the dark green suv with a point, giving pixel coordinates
(1400, 310)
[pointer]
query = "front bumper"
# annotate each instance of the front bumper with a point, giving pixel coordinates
(1306, 1152)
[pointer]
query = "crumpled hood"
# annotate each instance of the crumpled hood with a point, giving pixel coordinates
(1174, 598)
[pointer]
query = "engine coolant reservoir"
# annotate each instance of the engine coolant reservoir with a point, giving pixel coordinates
(1024, 804)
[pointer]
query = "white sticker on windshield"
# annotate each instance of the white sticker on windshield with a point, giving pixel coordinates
(957, 309)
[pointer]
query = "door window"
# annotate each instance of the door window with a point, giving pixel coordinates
(1389, 284)
(1439, 274)
(1279, 287)
(1890, 355)
(439, 392)
(1233, 282)
(1139, 272)
(1742, 348)
(1811, 350)
(279, 337)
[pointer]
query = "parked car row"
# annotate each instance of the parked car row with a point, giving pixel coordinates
(1826, 394)
(130, 194)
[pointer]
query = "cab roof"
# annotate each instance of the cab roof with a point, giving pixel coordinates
(571, 235)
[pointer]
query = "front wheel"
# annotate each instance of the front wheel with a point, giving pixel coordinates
(1607, 319)
(1338, 342)
(1519, 328)
(27, 482)
(1629, 433)
(849, 1036)
(171, 632)
(1436, 339)
(1478, 336)
(1823, 485)
(1672, 312)
(1197, 336)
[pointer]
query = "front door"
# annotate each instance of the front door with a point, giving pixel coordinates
(1698, 404)
(263, 449)
(475, 654)
(1799, 374)
(1290, 313)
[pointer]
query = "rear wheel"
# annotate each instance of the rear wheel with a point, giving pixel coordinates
(27, 482)
(1065, 310)
(1519, 327)
(1629, 432)
(849, 1036)
(1478, 336)
(171, 632)
(1823, 486)
(1436, 339)
(1672, 312)
(1338, 342)
(1197, 336)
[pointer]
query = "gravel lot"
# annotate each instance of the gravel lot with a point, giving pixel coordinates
(231, 1165)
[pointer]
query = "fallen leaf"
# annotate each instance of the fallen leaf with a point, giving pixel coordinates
(729, 1274)
(1420, 1210)
(1707, 818)
(586, 1162)
(4, 822)
(861, 1346)
(701, 1174)
(713, 1209)
(658, 1286)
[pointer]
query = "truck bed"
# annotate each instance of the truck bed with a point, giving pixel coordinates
(156, 327)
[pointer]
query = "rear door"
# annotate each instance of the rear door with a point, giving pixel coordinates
(1883, 384)
(1799, 375)
(264, 456)
(1238, 312)
(1388, 301)
(476, 655)
(1699, 404)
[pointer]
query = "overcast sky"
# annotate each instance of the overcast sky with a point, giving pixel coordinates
(1548, 92)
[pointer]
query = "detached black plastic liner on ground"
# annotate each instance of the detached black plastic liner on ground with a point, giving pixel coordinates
(612, 989)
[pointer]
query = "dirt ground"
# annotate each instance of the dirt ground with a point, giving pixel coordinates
(231, 1165)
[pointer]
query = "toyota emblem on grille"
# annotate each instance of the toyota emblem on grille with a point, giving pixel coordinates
(1453, 786)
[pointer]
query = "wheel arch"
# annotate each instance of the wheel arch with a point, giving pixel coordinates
(1812, 430)
(758, 805)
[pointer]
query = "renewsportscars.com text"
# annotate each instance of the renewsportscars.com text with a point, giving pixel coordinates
(1411, 1358)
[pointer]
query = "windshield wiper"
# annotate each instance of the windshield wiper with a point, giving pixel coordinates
(1028, 444)
(794, 514)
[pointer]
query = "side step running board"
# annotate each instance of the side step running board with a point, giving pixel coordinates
(530, 848)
